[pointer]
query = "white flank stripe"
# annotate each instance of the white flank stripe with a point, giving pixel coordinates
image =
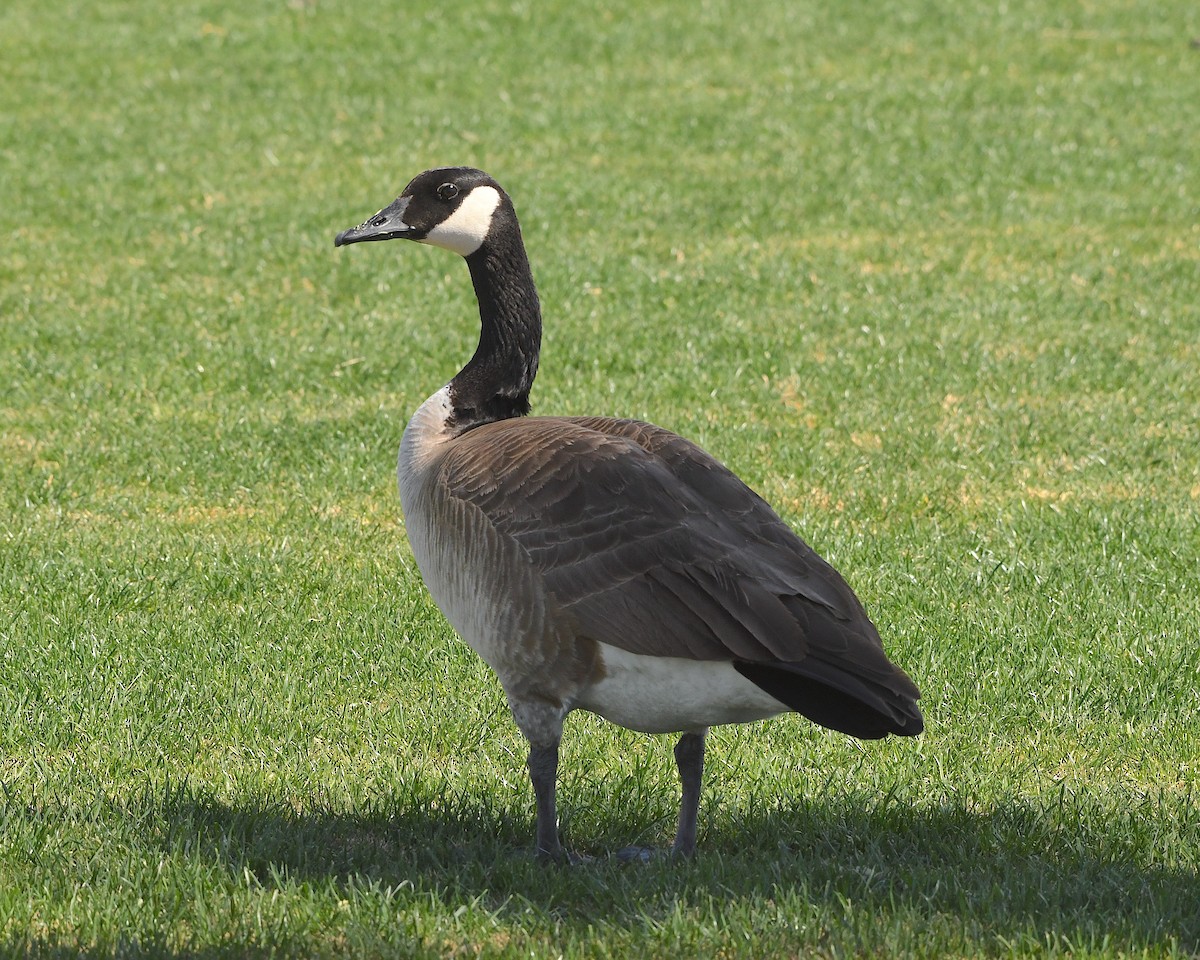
(671, 694)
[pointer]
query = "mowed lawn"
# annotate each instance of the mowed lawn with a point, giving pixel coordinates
(927, 275)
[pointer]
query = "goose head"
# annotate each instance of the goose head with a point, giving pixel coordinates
(450, 207)
(464, 210)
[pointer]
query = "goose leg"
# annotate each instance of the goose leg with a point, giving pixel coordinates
(543, 772)
(689, 758)
(541, 721)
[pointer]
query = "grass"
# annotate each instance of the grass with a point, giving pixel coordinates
(926, 275)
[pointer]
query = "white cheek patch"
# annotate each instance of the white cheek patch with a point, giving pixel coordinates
(467, 227)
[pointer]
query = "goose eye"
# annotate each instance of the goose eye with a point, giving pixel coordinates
(447, 191)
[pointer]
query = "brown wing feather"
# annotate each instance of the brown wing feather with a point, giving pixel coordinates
(657, 548)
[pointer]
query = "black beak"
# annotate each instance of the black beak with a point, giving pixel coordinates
(387, 224)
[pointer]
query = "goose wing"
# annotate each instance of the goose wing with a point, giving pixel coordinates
(655, 547)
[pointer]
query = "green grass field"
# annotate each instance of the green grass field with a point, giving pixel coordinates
(927, 275)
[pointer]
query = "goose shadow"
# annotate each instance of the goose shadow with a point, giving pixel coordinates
(1019, 869)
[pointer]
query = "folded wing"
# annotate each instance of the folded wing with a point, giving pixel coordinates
(657, 548)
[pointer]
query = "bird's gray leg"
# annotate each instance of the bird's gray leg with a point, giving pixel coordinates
(689, 758)
(543, 771)
(542, 724)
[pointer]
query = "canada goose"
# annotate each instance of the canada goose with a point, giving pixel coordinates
(610, 565)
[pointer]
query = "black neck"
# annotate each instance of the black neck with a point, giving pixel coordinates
(495, 383)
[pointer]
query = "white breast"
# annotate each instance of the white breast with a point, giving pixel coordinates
(467, 567)
(422, 442)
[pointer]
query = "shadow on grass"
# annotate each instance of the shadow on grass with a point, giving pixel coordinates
(1057, 873)
(1015, 870)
